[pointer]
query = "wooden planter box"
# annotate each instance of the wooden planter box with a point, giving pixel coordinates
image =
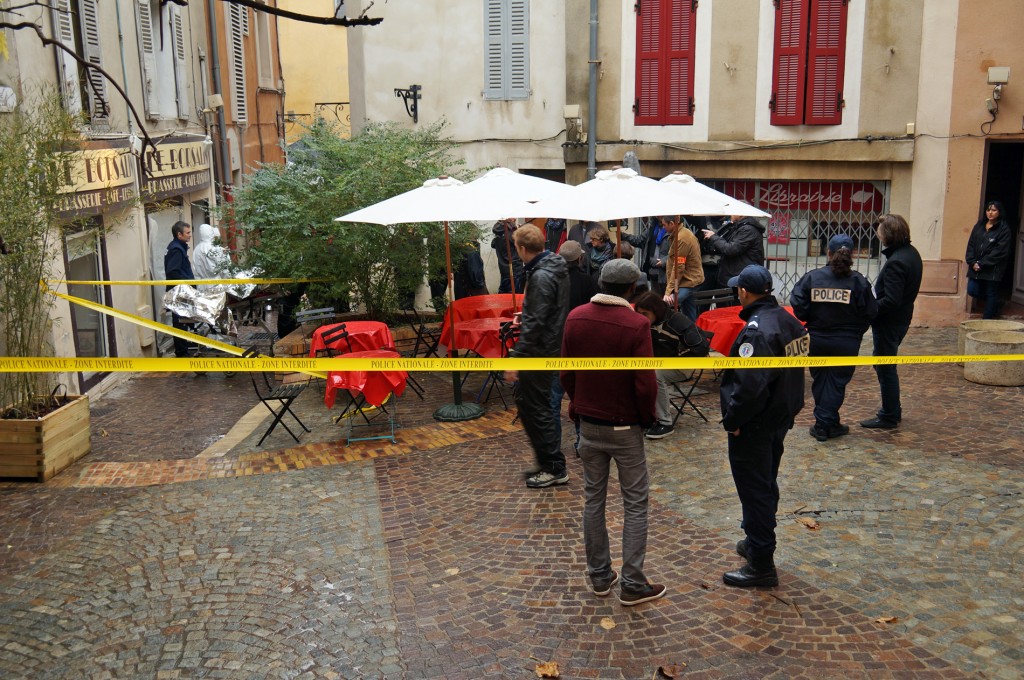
(42, 447)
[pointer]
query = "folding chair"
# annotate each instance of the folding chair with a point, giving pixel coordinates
(269, 391)
(685, 391)
(426, 337)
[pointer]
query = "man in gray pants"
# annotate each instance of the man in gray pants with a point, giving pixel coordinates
(613, 407)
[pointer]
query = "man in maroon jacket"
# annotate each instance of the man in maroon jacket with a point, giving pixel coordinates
(613, 408)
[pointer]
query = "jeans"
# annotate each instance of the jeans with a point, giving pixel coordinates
(663, 406)
(684, 298)
(599, 445)
(887, 339)
(754, 457)
(828, 385)
(990, 292)
(557, 392)
(533, 397)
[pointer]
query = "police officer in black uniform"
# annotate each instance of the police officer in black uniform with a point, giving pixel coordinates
(758, 408)
(837, 305)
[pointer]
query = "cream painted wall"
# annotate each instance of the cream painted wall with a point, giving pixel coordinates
(314, 60)
(439, 45)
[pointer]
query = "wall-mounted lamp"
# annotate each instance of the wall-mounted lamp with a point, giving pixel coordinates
(411, 98)
(998, 76)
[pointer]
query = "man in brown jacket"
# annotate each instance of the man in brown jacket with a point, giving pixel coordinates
(683, 271)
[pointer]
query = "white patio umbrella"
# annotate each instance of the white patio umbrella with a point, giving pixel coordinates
(444, 199)
(727, 205)
(619, 194)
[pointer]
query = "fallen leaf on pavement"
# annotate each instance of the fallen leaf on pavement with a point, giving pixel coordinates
(811, 524)
(607, 623)
(452, 572)
(887, 619)
(547, 670)
(672, 670)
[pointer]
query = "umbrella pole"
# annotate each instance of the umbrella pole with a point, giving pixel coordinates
(618, 240)
(457, 411)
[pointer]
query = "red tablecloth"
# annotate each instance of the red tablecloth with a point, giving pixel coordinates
(480, 307)
(480, 336)
(364, 336)
(726, 324)
(374, 385)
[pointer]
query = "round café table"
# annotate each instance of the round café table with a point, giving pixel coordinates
(482, 336)
(726, 324)
(362, 335)
(498, 306)
(375, 386)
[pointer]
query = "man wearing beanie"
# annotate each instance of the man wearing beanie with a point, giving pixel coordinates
(613, 408)
(758, 408)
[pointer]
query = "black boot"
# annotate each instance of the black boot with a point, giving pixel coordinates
(748, 576)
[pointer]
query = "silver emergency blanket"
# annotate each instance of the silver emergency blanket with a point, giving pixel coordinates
(206, 306)
(211, 261)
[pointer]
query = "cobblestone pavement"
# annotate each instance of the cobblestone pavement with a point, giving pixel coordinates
(156, 556)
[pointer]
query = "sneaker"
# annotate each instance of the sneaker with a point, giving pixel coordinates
(659, 431)
(651, 591)
(878, 424)
(604, 589)
(838, 431)
(544, 478)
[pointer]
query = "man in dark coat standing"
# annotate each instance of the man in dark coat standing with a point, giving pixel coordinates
(177, 267)
(739, 242)
(758, 408)
(545, 306)
(896, 290)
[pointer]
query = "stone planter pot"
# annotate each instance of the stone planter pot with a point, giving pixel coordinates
(1005, 373)
(41, 447)
(982, 325)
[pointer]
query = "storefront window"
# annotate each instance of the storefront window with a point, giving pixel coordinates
(84, 254)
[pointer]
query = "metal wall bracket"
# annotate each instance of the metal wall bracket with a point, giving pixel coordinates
(411, 98)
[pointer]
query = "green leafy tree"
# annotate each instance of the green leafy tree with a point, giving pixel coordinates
(36, 141)
(287, 213)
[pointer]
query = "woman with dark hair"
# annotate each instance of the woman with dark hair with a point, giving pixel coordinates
(896, 290)
(598, 251)
(837, 306)
(988, 251)
(673, 334)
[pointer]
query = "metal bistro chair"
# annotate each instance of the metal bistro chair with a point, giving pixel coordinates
(426, 337)
(270, 392)
(686, 390)
(705, 299)
(496, 379)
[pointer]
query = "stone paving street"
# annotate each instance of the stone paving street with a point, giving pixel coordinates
(178, 549)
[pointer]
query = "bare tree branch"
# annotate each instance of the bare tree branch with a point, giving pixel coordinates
(147, 141)
(361, 20)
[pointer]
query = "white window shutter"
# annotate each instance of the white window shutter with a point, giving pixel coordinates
(494, 49)
(237, 18)
(147, 54)
(98, 102)
(180, 62)
(518, 61)
(64, 31)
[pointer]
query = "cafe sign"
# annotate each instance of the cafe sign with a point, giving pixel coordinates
(176, 167)
(97, 179)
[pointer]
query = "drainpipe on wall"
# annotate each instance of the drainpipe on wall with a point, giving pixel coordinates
(592, 97)
(225, 161)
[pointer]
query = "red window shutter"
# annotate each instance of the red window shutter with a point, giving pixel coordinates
(826, 57)
(789, 69)
(648, 63)
(679, 55)
(665, 35)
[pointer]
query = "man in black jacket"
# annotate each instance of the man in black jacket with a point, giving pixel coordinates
(739, 242)
(758, 408)
(896, 290)
(178, 268)
(545, 306)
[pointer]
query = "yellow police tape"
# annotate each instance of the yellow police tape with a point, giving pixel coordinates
(317, 366)
(145, 364)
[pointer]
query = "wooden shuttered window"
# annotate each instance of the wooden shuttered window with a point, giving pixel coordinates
(99, 107)
(666, 33)
(180, 62)
(809, 62)
(506, 49)
(67, 68)
(238, 24)
(147, 55)
(81, 87)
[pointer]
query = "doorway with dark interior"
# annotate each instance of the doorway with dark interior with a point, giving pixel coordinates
(1004, 181)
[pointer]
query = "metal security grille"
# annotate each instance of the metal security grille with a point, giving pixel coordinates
(805, 215)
